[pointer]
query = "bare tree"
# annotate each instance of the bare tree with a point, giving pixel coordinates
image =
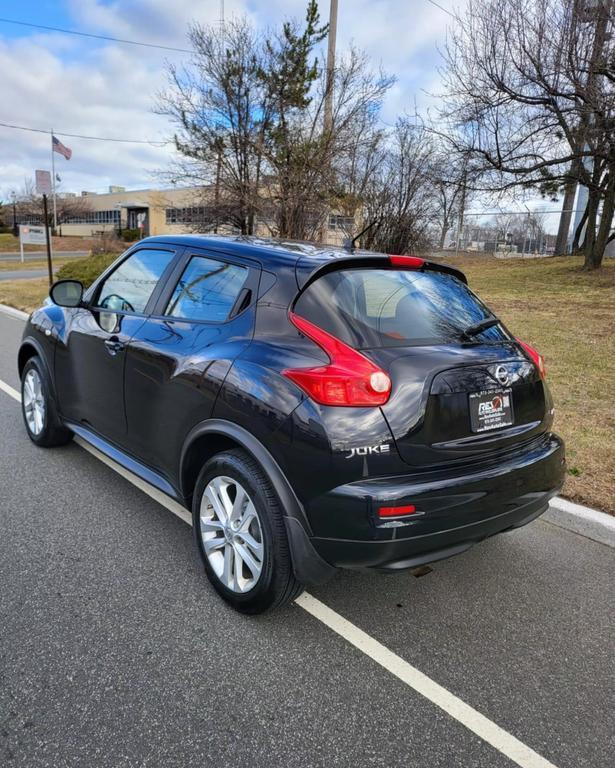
(453, 179)
(531, 99)
(29, 206)
(399, 201)
(312, 170)
(249, 110)
(219, 106)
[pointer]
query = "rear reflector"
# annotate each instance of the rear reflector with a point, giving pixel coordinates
(409, 509)
(350, 379)
(407, 262)
(535, 357)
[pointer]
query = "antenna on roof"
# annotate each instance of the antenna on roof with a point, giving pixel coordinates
(349, 244)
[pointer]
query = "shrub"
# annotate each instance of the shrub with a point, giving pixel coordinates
(130, 235)
(86, 270)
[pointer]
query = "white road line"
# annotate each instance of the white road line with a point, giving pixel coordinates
(10, 391)
(473, 720)
(487, 730)
(154, 493)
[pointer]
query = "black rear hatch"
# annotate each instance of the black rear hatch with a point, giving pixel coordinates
(457, 403)
(461, 391)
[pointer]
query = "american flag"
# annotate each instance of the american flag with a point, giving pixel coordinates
(58, 147)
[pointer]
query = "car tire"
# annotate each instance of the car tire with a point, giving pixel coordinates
(38, 407)
(249, 565)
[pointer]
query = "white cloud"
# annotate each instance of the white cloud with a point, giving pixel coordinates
(83, 86)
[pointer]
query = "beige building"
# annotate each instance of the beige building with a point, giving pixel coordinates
(161, 212)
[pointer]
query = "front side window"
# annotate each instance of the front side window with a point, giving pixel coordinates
(369, 308)
(129, 287)
(207, 290)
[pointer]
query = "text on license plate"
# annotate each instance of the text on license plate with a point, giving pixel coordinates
(490, 409)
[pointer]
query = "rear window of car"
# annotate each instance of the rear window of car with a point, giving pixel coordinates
(368, 308)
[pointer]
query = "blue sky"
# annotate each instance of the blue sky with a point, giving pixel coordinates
(79, 85)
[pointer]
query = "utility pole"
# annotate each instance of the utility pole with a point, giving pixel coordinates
(328, 105)
(14, 201)
(331, 40)
(217, 187)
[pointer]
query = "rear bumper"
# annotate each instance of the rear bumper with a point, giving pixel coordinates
(453, 512)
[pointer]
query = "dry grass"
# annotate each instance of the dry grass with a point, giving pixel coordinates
(568, 315)
(24, 294)
(10, 243)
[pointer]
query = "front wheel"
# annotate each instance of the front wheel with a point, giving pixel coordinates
(240, 534)
(38, 407)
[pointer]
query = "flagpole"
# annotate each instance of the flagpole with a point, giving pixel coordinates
(53, 185)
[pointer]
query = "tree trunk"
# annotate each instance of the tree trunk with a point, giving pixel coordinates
(589, 246)
(561, 244)
(443, 232)
(606, 221)
(577, 235)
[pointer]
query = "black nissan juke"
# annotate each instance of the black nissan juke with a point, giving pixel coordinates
(315, 408)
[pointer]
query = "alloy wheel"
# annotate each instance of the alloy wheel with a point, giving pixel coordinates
(34, 402)
(231, 534)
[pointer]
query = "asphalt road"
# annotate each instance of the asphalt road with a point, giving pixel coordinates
(115, 652)
(38, 255)
(21, 274)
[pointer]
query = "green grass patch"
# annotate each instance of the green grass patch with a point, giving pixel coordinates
(86, 270)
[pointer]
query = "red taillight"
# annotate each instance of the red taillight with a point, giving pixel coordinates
(535, 357)
(408, 509)
(348, 379)
(409, 262)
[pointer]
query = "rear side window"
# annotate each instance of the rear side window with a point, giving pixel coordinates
(207, 290)
(368, 308)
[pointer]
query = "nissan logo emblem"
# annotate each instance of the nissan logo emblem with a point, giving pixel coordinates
(502, 375)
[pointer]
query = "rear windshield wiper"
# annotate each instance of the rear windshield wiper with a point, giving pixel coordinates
(474, 330)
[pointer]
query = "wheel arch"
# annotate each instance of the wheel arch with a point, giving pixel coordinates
(215, 435)
(28, 349)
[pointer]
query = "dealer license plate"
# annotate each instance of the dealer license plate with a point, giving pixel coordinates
(491, 410)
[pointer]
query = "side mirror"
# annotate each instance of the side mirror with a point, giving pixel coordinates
(66, 293)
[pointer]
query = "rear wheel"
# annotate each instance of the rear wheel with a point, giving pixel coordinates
(240, 534)
(38, 407)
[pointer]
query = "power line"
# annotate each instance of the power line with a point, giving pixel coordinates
(81, 136)
(441, 7)
(96, 37)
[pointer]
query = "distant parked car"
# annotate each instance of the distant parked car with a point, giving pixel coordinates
(316, 409)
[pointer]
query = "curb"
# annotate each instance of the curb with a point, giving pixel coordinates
(594, 525)
(12, 312)
(587, 522)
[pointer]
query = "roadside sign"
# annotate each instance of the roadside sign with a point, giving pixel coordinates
(30, 235)
(43, 182)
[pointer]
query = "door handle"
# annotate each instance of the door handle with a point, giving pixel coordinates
(114, 345)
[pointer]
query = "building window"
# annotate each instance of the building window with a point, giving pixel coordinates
(341, 223)
(196, 214)
(95, 217)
